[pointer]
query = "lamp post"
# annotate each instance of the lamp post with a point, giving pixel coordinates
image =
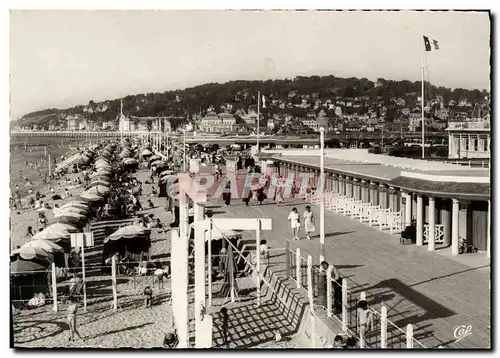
(323, 123)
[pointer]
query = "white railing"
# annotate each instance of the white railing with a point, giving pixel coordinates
(384, 219)
(405, 340)
(438, 233)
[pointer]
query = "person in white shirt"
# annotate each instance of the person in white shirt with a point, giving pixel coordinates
(294, 219)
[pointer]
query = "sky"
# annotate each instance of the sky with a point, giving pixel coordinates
(64, 58)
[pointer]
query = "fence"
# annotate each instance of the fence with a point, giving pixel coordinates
(338, 302)
(98, 284)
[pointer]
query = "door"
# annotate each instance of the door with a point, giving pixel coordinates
(479, 224)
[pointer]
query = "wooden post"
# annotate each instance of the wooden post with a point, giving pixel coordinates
(54, 286)
(113, 281)
(383, 327)
(209, 234)
(344, 305)
(298, 265)
(199, 270)
(49, 165)
(83, 277)
(257, 266)
(409, 336)
(329, 311)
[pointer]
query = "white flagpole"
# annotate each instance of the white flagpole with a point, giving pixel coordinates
(423, 114)
(121, 121)
(258, 122)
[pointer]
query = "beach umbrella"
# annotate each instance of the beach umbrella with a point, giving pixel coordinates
(23, 267)
(61, 227)
(100, 190)
(27, 252)
(157, 162)
(99, 175)
(73, 209)
(146, 152)
(161, 165)
(67, 212)
(167, 172)
(45, 245)
(55, 232)
(128, 232)
(90, 197)
(99, 181)
(130, 161)
(154, 157)
(106, 172)
(43, 209)
(76, 204)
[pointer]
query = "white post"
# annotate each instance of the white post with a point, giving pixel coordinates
(50, 164)
(184, 151)
(420, 221)
(488, 233)
(329, 312)
(113, 280)
(344, 305)
(54, 286)
(199, 265)
(257, 266)
(408, 205)
(83, 277)
(454, 227)
(383, 327)
(322, 195)
(423, 114)
(432, 225)
(409, 336)
(258, 121)
(310, 291)
(298, 265)
(209, 247)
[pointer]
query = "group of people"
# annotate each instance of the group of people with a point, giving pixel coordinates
(309, 222)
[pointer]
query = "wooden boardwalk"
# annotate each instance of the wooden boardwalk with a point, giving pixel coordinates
(434, 293)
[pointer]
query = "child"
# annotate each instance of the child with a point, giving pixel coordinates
(365, 318)
(71, 313)
(148, 297)
(225, 324)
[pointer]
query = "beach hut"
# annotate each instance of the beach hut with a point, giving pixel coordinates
(130, 241)
(28, 278)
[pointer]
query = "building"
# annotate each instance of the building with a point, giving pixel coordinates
(123, 124)
(218, 123)
(446, 201)
(469, 139)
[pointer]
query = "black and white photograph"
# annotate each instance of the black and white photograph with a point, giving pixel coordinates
(250, 179)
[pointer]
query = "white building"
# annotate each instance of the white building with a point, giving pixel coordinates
(469, 139)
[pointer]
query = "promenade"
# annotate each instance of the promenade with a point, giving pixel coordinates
(431, 291)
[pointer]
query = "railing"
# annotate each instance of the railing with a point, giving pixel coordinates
(438, 233)
(339, 303)
(383, 218)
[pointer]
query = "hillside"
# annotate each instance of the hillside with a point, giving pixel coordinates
(296, 97)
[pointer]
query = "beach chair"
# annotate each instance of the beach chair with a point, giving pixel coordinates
(75, 291)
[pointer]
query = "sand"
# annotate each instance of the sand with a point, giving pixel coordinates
(131, 325)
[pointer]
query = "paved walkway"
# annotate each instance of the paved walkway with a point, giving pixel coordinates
(434, 293)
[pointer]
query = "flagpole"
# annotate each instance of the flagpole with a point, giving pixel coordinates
(258, 121)
(423, 115)
(121, 121)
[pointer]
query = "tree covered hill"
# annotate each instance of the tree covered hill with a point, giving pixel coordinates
(288, 95)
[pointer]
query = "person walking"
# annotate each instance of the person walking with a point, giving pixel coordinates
(309, 226)
(294, 219)
(226, 195)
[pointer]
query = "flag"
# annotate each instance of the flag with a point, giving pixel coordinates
(430, 44)
(263, 102)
